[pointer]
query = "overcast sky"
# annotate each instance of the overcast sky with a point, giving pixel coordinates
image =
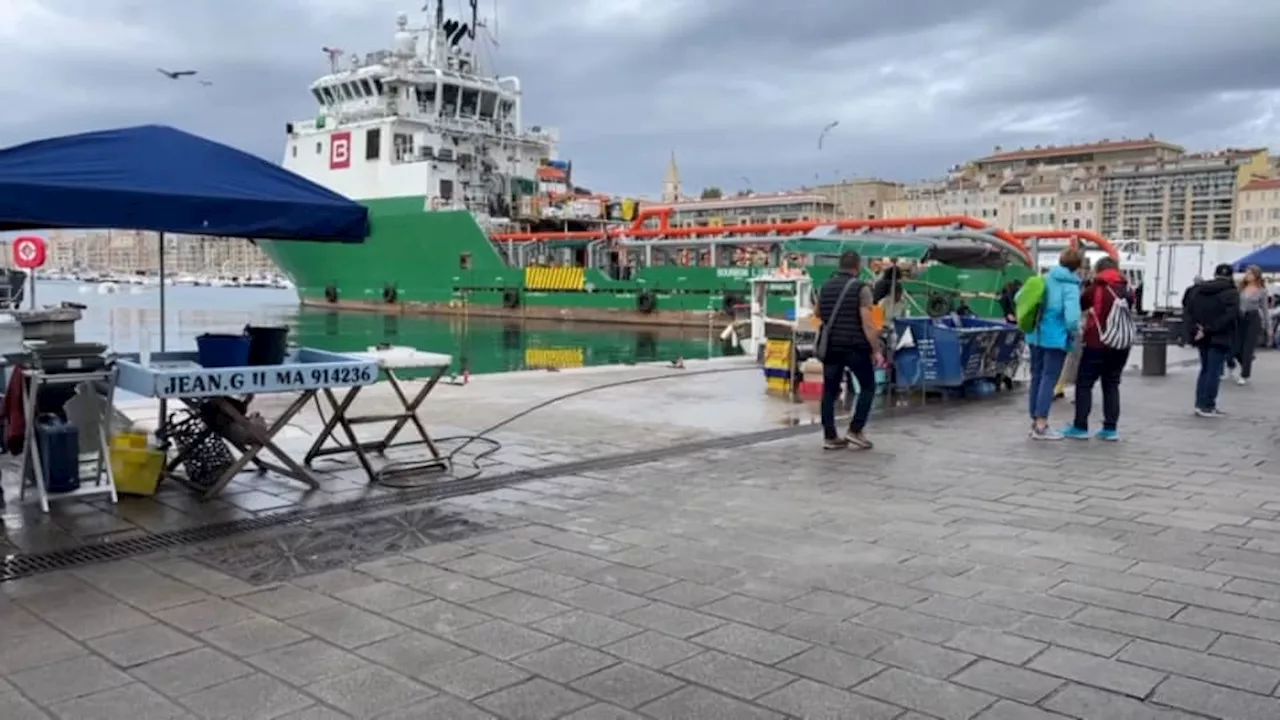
(738, 89)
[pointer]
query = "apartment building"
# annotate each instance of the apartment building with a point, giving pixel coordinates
(1192, 197)
(1093, 157)
(1258, 211)
(861, 199)
(137, 251)
(754, 208)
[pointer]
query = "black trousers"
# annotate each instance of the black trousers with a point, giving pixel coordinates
(1247, 333)
(1099, 366)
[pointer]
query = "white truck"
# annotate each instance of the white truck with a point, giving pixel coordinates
(1171, 267)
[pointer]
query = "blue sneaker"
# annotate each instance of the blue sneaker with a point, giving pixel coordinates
(1108, 435)
(1071, 432)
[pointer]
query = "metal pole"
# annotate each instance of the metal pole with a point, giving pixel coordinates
(31, 278)
(164, 405)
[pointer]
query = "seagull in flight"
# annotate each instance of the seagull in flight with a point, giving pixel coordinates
(175, 75)
(206, 83)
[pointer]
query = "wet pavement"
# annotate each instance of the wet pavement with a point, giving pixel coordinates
(956, 571)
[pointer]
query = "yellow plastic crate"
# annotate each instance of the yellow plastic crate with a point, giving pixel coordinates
(136, 467)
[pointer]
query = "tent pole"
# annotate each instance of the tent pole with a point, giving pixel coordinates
(164, 405)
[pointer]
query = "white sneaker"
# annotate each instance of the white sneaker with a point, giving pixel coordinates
(1242, 381)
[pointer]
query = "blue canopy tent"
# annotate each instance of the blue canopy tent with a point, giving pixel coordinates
(1266, 257)
(159, 178)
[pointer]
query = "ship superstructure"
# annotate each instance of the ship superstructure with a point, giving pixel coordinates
(423, 119)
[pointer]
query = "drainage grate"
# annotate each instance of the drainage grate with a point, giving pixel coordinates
(22, 565)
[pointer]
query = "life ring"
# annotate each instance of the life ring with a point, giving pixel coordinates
(390, 294)
(511, 298)
(731, 302)
(646, 302)
(331, 293)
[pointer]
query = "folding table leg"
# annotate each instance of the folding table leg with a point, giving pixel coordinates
(260, 440)
(338, 416)
(411, 410)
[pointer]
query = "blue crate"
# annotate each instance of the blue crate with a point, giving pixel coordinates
(951, 351)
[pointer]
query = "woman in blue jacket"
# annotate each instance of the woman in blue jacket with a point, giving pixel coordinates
(1053, 338)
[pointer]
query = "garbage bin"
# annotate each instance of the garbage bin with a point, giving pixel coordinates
(1155, 351)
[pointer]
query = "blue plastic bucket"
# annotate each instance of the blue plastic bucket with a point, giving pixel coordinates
(222, 351)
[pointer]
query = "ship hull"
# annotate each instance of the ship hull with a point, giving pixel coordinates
(442, 263)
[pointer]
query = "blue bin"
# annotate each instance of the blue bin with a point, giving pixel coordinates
(59, 446)
(222, 351)
(949, 352)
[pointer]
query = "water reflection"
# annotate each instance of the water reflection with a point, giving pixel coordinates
(127, 321)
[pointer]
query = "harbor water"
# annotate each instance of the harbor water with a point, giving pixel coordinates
(128, 320)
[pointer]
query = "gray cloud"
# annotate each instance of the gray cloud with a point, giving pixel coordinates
(735, 87)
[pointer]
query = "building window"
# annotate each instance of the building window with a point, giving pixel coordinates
(446, 189)
(372, 143)
(318, 148)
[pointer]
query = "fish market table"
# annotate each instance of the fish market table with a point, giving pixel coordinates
(218, 404)
(391, 361)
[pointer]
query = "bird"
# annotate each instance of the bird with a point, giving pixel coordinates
(206, 83)
(175, 75)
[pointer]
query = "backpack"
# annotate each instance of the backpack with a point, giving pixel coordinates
(1029, 303)
(1119, 329)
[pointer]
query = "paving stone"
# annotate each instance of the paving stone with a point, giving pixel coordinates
(671, 620)
(252, 696)
(825, 602)
(517, 550)
(90, 614)
(1213, 599)
(15, 707)
(695, 702)
(628, 579)
(840, 634)
(569, 563)
(887, 593)
(438, 617)
(458, 588)
(440, 707)
(370, 692)
(473, 677)
(501, 639)
(968, 612)
(49, 684)
(1033, 603)
(927, 695)
(729, 674)
(1213, 700)
(1257, 652)
(413, 654)
(307, 662)
(1007, 681)
(1161, 631)
(923, 658)
(653, 649)
(346, 626)
(565, 662)
(1117, 600)
(1079, 701)
(539, 582)
(140, 645)
(808, 699)
(688, 594)
(626, 685)
(35, 645)
(762, 589)
(1098, 672)
(996, 645)
(911, 624)
(601, 711)
(482, 565)
(251, 637)
(179, 675)
(315, 712)
(534, 699)
(519, 607)
(381, 597)
(1221, 671)
(205, 615)
(1076, 637)
(600, 599)
(285, 601)
(750, 611)
(1008, 710)
(128, 702)
(693, 570)
(587, 628)
(751, 643)
(831, 667)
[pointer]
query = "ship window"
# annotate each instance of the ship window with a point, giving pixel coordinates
(470, 103)
(293, 150)
(319, 96)
(446, 189)
(402, 144)
(328, 94)
(449, 99)
(488, 103)
(367, 88)
(318, 148)
(346, 91)
(372, 143)
(377, 86)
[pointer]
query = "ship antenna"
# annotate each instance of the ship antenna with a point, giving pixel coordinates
(475, 17)
(439, 14)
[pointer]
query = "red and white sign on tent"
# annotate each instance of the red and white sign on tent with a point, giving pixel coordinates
(29, 252)
(340, 151)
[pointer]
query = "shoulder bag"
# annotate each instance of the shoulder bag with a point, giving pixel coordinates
(824, 333)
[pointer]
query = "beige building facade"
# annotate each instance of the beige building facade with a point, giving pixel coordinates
(136, 251)
(861, 199)
(1258, 211)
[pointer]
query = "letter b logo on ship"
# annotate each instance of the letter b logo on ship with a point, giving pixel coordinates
(340, 151)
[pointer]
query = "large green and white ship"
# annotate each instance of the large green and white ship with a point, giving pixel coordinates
(473, 212)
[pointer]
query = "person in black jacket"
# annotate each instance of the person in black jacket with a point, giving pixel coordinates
(1210, 311)
(1008, 301)
(853, 344)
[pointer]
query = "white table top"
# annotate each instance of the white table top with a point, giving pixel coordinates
(399, 357)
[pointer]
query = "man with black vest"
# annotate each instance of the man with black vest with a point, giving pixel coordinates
(848, 340)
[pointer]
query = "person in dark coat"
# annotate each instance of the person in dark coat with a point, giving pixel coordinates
(1211, 312)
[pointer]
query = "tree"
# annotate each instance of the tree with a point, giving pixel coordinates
(712, 193)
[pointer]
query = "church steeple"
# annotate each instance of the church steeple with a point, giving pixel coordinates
(671, 183)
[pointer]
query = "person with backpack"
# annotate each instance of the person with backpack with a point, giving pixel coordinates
(1109, 332)
(1211, 312)
(847, 341)
(1048, 308)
